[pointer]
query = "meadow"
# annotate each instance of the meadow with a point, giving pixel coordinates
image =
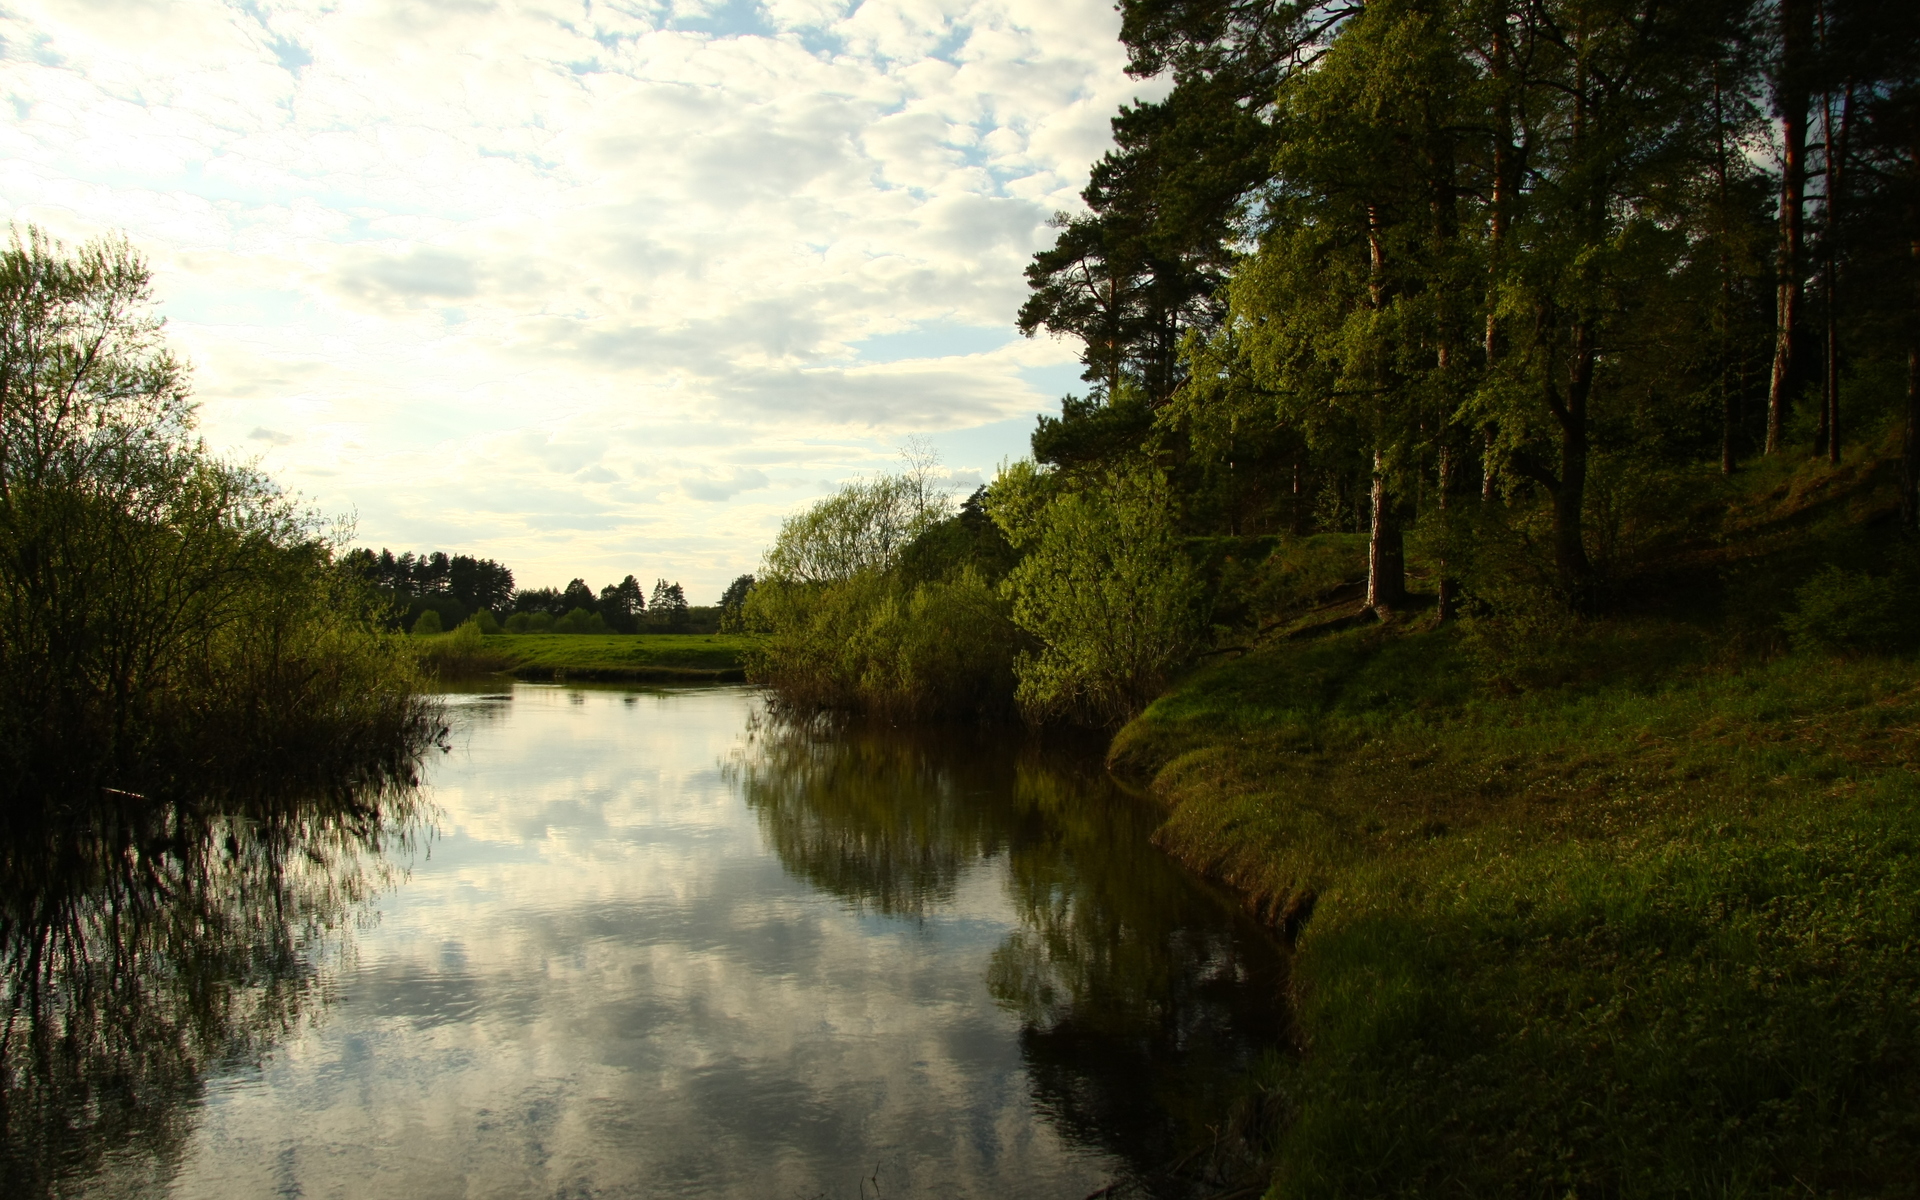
(661, 657)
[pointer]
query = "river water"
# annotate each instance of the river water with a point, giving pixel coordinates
(653, 943)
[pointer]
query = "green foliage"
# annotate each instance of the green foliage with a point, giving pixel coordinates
(485, 621)
(580, 620)
(1851, 610)
(167, 620)
(732, 601)
(529, 622)
(877, 644)
(859, 529)
(1104, 588)
(426, 624)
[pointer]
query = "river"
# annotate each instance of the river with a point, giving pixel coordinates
(653, 943)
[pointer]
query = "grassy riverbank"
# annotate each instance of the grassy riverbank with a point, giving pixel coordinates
(662, 657)
(1632, 908)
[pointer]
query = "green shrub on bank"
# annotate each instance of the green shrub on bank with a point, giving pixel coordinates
(1105, 590)
(877, 599)
(427, 624)
(876, 644)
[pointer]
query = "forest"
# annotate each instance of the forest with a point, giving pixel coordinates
(459, 588)
(1520, 295)
(1488, 530)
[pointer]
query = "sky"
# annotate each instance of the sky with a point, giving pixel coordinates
(592, 289)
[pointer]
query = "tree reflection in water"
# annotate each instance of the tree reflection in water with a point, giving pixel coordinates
(145, 945)
(1144, 995)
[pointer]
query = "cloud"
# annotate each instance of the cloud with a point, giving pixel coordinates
(518, 279)
(746, 480)
(420, 274)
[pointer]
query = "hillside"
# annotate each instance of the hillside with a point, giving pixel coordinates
(1622, 906)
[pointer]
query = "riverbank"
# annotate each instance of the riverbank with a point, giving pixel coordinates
(639, 657)
(1630, 909)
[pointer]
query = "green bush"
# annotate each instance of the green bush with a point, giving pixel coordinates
(530, 622)
(484, 621)
(1849, 610)
(873, 644)
(1105, 589)
(427, 624)
(579, 620)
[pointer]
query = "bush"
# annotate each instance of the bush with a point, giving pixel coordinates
(579, 620)
(484, 621)
(874, 644)
(1106, 590)
(1849, 610)
(427, 624)
(530, 622)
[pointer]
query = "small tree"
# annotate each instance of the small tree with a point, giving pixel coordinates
(732, 600)
(1106, 589)
(669, 602)
(428, 622)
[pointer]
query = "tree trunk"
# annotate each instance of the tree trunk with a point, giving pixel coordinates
(1449, 586)
(1386, 550)
(1791, 94)
(1836, 187)
(1569, 496)
(1910, 443)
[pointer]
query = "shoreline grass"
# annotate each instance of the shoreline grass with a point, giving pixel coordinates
(1650, 936)
(639, 657)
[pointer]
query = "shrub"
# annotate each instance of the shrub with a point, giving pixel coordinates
(1106, 590)
(529, 622)
(579, 620)
(426, 624)
(484, 621)
(1848, 610)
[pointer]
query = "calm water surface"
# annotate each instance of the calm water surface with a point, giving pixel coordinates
(652, 944)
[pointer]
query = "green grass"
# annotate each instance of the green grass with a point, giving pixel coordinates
(641, 656)
(1587, 908)
(1652, 931)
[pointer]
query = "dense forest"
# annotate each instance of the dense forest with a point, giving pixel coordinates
(1498, 300)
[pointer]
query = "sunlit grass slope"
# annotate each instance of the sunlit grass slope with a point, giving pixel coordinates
(1634, 911)
(1632, 939)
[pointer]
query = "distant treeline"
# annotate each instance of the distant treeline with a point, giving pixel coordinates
(456, 588)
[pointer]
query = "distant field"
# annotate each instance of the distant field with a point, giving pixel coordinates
(662, 656)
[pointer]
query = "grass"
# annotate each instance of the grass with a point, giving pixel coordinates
(1625, 939)
(641, 656)
(1616, 908)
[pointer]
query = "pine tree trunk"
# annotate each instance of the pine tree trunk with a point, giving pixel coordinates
(1569, 497)
(1386, 550)
(1449, 586)
(1796, 32)
(1910, 443)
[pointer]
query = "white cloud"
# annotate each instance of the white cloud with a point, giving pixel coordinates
(574, 287)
